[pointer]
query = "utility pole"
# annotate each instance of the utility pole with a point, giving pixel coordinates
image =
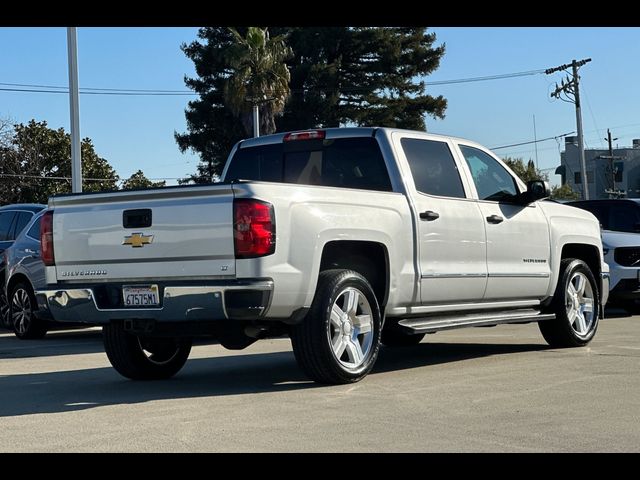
(256, 121)
(613, 192)
(571, 89)
(74, 106)
(535, 138)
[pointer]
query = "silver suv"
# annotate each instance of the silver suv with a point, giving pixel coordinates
(620, 221)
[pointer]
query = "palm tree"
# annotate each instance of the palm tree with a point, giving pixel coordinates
(259, 78)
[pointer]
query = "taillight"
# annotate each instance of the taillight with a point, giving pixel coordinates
(307, 135)
(46, 238)
(254, 228)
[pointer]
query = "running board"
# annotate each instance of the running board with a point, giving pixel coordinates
(447, 322)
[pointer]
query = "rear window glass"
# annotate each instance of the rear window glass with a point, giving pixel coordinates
(34, 231)
(341, 162)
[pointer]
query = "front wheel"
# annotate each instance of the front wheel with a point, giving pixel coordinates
(576, 305)
(144, 358)
(339, 340)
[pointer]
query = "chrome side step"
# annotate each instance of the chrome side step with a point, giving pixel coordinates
(486, 319)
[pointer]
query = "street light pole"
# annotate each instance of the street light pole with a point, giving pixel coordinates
(74, 106)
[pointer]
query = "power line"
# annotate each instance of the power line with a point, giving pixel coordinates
(489, 77)
(84, 92)
(532, 141)
(38, 88)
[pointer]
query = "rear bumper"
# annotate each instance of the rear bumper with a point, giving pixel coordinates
(101, 304)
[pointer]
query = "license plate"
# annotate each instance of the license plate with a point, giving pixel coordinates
(146, 296)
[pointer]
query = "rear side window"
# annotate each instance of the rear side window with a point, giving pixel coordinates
(6, 220)
(34, 231)
(342, 162)
(432, 166)
(21, 221)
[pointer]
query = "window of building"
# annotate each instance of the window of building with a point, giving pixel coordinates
(618, 168)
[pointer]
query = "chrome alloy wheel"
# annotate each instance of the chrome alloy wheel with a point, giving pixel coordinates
(21, 311)
(350, 329)
(579, 304)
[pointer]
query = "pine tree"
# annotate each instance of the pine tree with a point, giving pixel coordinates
(367, 76)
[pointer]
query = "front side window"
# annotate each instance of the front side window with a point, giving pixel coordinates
(433, 168)
(492, 180)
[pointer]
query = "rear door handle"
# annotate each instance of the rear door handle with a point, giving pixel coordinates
(429, 215)
(495, 219)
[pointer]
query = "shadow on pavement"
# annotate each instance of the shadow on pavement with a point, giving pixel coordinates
(62, 342)
(54, 392)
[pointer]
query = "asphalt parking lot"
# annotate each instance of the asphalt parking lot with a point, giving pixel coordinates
(485, 389)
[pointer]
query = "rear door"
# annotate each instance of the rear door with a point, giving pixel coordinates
(451, 231)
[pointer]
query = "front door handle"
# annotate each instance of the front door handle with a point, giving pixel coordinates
(495, 219)
(429, 215)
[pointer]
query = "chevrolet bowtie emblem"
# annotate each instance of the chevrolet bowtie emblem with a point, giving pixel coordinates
(138, 240)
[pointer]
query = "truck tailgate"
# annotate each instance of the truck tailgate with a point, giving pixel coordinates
(108, 237)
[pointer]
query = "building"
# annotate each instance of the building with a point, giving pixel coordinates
(604, 174)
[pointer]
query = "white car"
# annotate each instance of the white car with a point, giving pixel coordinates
(620, 221)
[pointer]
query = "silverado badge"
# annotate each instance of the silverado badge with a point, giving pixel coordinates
(138, 240)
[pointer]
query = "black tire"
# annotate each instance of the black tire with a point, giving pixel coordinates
(22, 305)
(357, 338)
(564, 331)
(4, 308)
(144, 358)
(394, 338)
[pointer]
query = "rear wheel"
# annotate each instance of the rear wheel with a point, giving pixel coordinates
(576, 306)
(5, 318)
(22, 305)
(144, 358)
(339, 340)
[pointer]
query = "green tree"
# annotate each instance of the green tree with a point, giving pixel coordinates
(339, 76)
(138, 180)
(35, 163)
(564, 192)
(260, 76)
(525, 172)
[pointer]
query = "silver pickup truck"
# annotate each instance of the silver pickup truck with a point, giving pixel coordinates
(342, 239)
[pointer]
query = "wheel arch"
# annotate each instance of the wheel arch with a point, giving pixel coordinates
(18, 278)
(370, 259)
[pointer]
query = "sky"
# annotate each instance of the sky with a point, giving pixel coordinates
(136, 132)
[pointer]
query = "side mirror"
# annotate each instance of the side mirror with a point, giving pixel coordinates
(536, 190)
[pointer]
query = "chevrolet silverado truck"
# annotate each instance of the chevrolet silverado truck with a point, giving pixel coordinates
(343, 239)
